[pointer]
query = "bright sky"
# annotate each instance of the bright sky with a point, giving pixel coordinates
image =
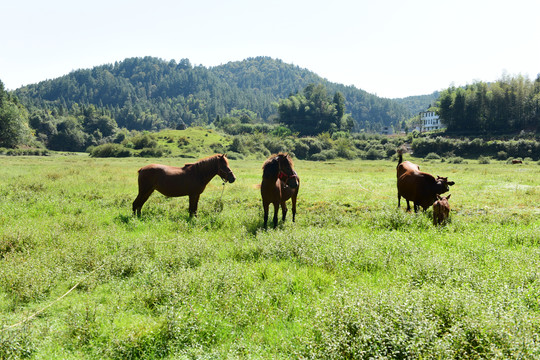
(392, 48)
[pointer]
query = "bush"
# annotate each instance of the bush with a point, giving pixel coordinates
(456, 160)
(151, 152)
(182, 141)
(483, 160)
(432, 156)
(306, 147)
(143, 141)
(236, 147)
(110, 150)
(217, 148)
(234, 156)
(325, 155)
(502, 155)
(374, 154)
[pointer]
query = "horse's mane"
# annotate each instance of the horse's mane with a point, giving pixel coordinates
(270, 165)
(206, 165)
(274, 157)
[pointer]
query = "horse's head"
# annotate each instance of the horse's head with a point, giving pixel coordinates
(444, 184)
(286, 171)
(224, 171)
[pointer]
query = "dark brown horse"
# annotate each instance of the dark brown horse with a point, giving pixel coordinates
(189, 180)
(279, 184)
(419, 187)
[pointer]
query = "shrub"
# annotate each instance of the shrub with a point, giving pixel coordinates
(151, 152)
(502, 155)
(143, 141)
(432, 156)
(304, 148)
(110, 150)
(234, 156)
(483, 160)
(274, 145)
(236, 147)
(325, 155)
(217, 148)
(456, 160)
(301, 150)
(182, 141)
(374, 154)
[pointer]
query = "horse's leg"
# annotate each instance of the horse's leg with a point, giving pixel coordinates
(139, 201)
(293, 199)
(408, 206)
(398, 200)
(266, 206)
(283, 210)
(193, 203)
(276, 208)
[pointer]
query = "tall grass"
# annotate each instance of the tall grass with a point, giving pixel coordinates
(354, 277)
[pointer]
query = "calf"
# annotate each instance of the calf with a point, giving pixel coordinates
(419, 187)
(441, 210)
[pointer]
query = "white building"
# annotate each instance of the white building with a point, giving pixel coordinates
(387, 130)
(430, 121)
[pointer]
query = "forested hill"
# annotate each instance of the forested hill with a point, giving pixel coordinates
(419, 103)
(150, 93)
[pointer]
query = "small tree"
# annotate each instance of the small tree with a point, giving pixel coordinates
(14, 128)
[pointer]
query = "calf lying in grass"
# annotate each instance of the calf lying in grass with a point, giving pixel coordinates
(441, 210)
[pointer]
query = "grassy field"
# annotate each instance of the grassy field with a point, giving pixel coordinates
(354, 277)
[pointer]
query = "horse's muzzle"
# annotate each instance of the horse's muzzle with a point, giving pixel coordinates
(292, 182)
(231, 178)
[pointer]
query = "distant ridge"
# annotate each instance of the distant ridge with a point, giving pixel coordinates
(152, 93)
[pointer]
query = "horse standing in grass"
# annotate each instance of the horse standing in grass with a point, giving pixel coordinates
(441, 210)
(419, 187)
(190, 180)
(279, 184)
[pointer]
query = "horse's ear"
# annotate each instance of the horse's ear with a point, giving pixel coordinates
(224, 155)
(439, 197)
(448, 197)
(450, 183)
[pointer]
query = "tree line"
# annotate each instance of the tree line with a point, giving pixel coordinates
(510, 104)
(152, 94)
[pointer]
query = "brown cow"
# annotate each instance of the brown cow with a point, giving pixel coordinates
(419, 187)
(441, 210)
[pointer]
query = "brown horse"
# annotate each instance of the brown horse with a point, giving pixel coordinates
(189, 180)
(441, 210)
(279, 184)
(419, 187)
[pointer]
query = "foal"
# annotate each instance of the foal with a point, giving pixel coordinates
(441, 210)
(279, 184)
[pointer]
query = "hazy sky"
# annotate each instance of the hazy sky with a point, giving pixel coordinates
(392, 48)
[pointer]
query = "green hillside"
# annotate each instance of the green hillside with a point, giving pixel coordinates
(151, 94)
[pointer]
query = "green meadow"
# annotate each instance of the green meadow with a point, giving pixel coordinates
(354, 277)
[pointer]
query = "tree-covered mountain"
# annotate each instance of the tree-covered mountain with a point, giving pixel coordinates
(151, 94)
(418, 103)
